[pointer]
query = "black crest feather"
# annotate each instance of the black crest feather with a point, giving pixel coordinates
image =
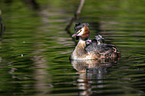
(78, 26)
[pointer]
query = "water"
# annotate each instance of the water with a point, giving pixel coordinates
(35, 49)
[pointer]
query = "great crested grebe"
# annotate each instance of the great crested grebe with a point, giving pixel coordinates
(91, 48)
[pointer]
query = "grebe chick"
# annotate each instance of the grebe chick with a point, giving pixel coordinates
(99, 46)
(90, 48)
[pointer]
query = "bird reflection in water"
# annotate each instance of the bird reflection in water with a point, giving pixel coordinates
(91, 72)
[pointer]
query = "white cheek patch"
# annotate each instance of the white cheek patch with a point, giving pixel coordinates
(81, 33)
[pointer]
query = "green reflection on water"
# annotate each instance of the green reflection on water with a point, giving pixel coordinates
(35, 49)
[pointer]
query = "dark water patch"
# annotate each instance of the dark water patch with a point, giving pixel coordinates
(35, 50)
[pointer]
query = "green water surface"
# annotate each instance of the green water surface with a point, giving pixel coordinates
(35, 49)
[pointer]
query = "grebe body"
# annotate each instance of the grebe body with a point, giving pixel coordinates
(87, 49)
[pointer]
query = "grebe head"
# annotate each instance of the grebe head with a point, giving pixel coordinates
(99, 39)
(82, 31)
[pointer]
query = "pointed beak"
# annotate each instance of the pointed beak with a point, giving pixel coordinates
(74, 35)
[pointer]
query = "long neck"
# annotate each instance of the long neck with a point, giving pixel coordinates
(79, 50)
